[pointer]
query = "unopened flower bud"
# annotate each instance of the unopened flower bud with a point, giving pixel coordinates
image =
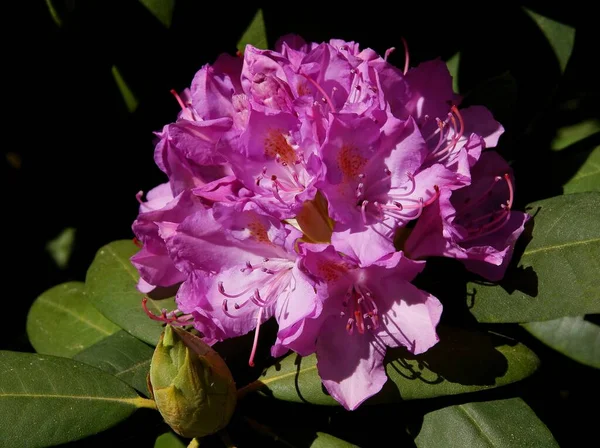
(192, 386)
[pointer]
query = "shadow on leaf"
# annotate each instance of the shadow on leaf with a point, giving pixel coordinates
(464, 357)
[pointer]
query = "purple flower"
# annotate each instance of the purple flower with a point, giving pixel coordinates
(155, 266)
(475, 224)
(374, 180)
(366, 308)
(242, 269)
(290, 173)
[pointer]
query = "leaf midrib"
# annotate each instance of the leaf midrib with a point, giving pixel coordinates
(76, 316)
(560, 246)
(285, 375)
(133, 367)
(479, 428)
(130, 401)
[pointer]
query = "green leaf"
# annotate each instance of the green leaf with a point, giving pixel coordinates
(123, 356)
(572, 336)
(501, 423)
(128, 97)
(453, 64)
(169, 440)
(587, 177)
(561, 37)
(557, 274)
(62, 322)
(161, 9)
(61, 247)
(463, 361)
(111, 286)
(569, 135)
(255, 34)
(54, 13)
(46, 400)
(324, 440)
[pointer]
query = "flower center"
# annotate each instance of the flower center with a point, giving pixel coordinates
(272, 279)
(276, 146)
(449, 132)
(314, 221)
(474, 216)
(395, 204)
(350, 161)
(286, 174)
(359, 305)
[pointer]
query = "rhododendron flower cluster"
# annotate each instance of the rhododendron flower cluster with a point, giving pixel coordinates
(291, 172)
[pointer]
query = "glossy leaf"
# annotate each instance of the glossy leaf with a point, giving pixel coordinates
(569, 135)
(161, 9)
(47, 400)
(587, 177)
(255, 34)
(62, 322)
(453, 65)
(560, 36)
(123, 356)
(501, 423)
(169, 440)
(557, 274)
(575, 337)
(61, 247)
(324, 440)
(131, 102)
(111, 286)
(54, 13)
(463, 361)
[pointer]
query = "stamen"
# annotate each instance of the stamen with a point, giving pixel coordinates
(350, 326)
(170, 317)
(248, 267)
(482, 197)
(230, 296)
(447, 151)
(261, 176)
(388, 52)
(275, 191)
(138, 243)
(511, 191)
(406, 55)
(320, 89)
(496, 219)
(178, 98)
(138, 196)
(363, 211)
(256, 332)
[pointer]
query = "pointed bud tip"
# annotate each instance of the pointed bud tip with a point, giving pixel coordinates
(192, 386)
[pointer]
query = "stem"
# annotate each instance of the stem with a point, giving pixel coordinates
(252, 387)
(144, 403)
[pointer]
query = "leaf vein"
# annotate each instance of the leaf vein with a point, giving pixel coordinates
(76, 316)
(561, 246)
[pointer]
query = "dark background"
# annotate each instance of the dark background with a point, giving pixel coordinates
(73, 156)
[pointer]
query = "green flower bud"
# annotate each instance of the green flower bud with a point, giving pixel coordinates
(192, 386)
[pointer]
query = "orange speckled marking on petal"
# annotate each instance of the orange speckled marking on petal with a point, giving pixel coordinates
(350, 161)
(331, 271)
(276, 144)
(303, 89)
(258, 232)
